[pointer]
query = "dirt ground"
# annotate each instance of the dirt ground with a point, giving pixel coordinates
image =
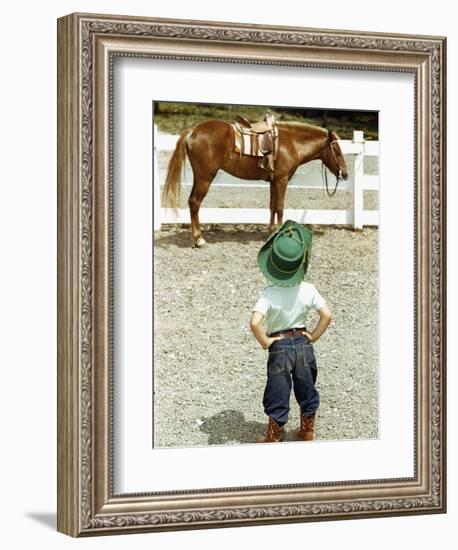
(209, 371)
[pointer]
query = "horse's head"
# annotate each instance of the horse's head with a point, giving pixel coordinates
(332, 157)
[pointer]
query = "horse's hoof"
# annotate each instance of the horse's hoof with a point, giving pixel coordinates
(201, 242)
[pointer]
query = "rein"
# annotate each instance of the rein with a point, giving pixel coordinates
(324, 172)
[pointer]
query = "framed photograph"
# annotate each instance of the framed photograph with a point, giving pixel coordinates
(251, 276)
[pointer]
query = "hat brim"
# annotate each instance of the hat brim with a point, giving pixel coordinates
(270, 271)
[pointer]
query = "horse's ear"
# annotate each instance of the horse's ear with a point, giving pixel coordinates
(332, 136)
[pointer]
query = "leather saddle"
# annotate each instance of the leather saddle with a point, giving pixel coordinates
(258, 139)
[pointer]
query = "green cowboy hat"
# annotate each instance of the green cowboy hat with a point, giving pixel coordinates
(284, 257)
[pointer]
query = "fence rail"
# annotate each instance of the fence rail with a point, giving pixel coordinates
(356, 217)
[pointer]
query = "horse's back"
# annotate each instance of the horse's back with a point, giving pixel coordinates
(209, 143)
(216, 132)
(212, 126)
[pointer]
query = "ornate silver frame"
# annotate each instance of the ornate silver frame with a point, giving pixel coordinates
(87, 44)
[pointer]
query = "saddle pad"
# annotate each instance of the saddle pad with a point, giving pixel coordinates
(248, 144)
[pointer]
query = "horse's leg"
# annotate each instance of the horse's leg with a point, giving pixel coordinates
(199, 191)
(281, 190)
(273, 205)
(209, 145)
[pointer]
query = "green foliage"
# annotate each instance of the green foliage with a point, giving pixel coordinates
(174, 117)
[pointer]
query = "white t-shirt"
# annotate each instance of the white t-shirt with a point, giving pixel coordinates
(286, 307)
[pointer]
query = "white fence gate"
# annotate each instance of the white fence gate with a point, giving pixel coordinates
(356, 217)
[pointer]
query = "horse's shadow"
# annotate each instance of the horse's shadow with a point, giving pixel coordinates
(182, 237)
(231, 427)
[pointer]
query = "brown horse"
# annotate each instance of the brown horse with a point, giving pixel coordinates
(210, 147)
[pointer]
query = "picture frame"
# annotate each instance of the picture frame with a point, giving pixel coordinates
(87, 46)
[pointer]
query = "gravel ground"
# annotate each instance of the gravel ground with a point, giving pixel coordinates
(209, 371)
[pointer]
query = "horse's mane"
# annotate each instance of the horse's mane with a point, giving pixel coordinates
(301, 126)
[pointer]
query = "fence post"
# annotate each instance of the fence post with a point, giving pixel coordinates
(358, 176)
(157, 209)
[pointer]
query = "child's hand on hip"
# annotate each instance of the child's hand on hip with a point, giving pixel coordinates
(270, 340)
(308, 335)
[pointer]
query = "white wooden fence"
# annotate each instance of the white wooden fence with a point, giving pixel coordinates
(357, 217)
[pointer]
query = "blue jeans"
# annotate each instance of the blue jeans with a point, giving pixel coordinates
(291, 363)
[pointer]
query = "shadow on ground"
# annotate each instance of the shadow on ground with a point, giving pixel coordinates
(231, 427)
(181, 237)
(48, 519)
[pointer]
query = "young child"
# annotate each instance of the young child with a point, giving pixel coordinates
(278, 323)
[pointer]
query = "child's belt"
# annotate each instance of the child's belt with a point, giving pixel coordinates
(289, 333)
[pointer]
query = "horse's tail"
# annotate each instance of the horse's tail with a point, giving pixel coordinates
(173, 181)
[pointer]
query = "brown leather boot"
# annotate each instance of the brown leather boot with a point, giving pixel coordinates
(306, 431)
(274, 433)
